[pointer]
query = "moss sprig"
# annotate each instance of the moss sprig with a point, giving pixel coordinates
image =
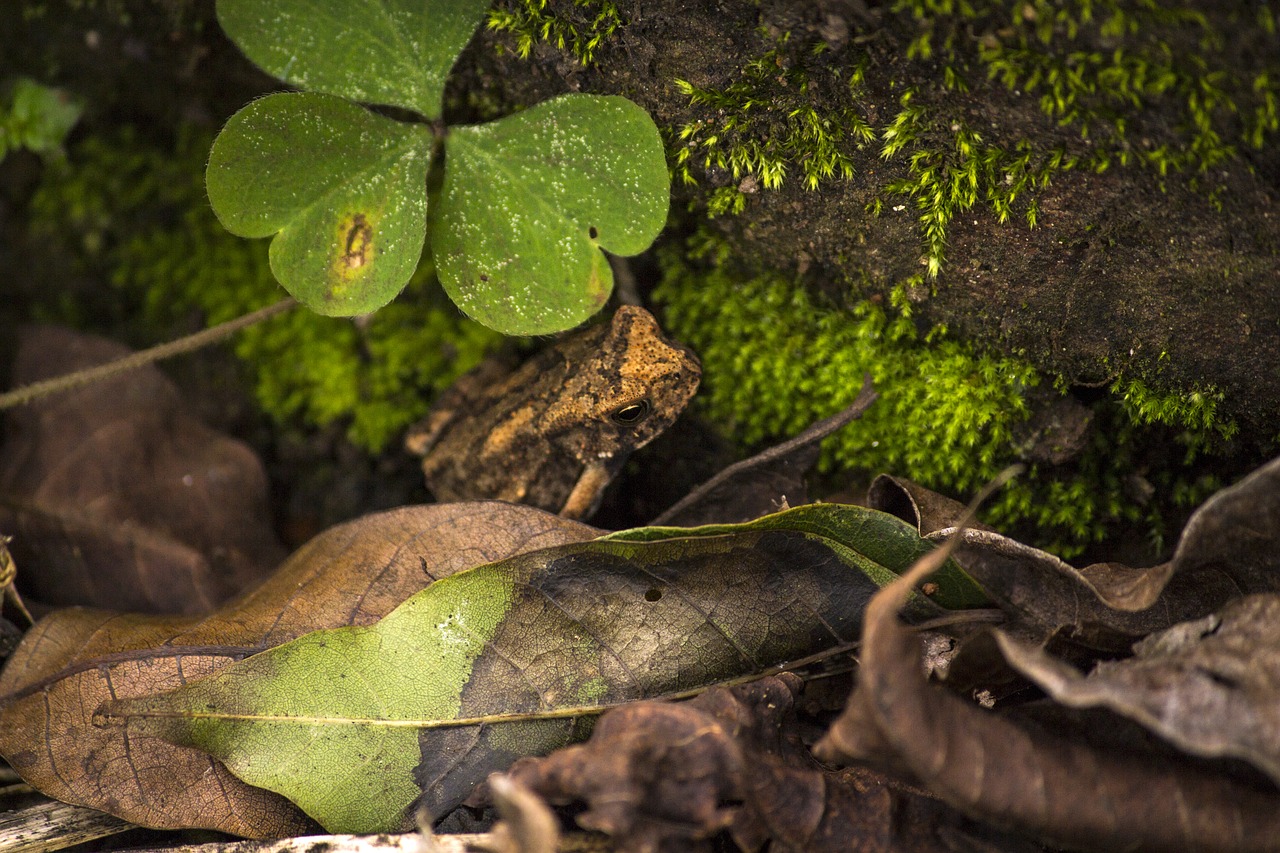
(764, 124)
(581, 28)
(952, 168)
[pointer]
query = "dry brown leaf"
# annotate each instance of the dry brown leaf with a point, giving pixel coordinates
(1064, 792)
(664, 776)
(915, 504)
(74, 660)
(1230, 546)
(118, 498)
(1210, 687)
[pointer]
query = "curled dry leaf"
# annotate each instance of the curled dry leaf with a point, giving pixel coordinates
(1231, 545)
(655, 775)
(1062, 791)
(116, 497)
(666, 776)
(75, 660)
(1210, 687)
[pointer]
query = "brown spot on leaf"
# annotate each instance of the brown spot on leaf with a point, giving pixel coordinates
(359, 242)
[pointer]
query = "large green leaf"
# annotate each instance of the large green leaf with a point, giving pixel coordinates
(529, 200)
(377, 51)
(343, 189)
(354, 724)
(879, 544)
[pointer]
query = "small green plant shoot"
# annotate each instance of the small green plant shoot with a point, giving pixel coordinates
(35, 117)
(525, 203)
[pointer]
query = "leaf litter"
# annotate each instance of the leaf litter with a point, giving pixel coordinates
(933, 770)
(1062, 790)
(116, 496)
(74, 660)
(514, 654)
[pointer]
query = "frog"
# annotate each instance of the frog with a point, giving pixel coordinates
(554, 431)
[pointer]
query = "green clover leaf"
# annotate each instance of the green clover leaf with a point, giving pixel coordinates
(529, 200)
(395, 52)
(343, 190)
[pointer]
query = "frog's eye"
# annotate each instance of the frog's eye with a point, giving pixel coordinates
(630, 414)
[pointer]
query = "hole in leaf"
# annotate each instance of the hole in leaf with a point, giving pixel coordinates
(652, 594)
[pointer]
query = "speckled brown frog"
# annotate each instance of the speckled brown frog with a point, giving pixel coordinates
(554, 431)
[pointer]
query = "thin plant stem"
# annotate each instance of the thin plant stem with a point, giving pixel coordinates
(36, 390)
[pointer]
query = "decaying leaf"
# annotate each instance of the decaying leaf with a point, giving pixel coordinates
(74, 660)
(497, 662)
(771, 480)
(666, 776)
(117, 498)
(1211, 687)
(1230, 546)
(1063, 791)
(658, 775)
(922, 508)
(525, 823)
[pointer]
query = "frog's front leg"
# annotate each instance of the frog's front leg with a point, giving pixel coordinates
(585, 497)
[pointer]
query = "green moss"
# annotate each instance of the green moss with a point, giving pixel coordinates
(1111, 70)
(581, 28)
(951, 170)
(765, 123)
(776, 358)
(137, 216)
(1196, 410)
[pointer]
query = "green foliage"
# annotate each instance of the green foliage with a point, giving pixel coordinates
(765, 121)
(563, 179)
(581, 28)
(775, 359)
(36, 117)
(136, 216)
(944, 180)
(1161, 59)
(371, 51)
(345, 190)
(347, 237)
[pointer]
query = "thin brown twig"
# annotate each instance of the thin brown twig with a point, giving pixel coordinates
(36, 390)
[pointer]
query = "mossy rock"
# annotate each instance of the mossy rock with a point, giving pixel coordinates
(1143, 151)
